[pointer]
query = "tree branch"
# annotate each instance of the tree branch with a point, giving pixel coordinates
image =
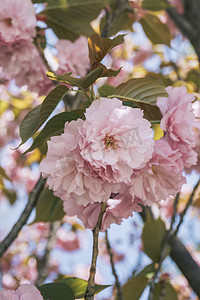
(182, 215)
(183, 259)
(122, 5)
(163, 250)
(117, 283)
(89, 295)
(43, 263)
(33, 197)
(188, 23)
(186, 264)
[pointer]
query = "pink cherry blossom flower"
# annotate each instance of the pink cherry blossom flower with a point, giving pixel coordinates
(196, 107)
(23, 292)
(115, 139)
(119, 208)
(17, 61)
(67, 240)
(178, 122)
(161, 177)
(70, 176)
(73, 56)
(17, 21)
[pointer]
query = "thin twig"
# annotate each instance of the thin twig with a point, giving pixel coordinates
(117, 283)
(43, 263)
(163, 250)
(182, 215)
(122, 5)
(33, 197)
(89, 295)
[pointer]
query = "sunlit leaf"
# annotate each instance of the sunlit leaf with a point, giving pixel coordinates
(29, 124)
(79, 286)
(158, 132)
(21, 103)
(56, 291)
(50, 102)
(35, 156)
(155, 30)
(143, 92)
(3, 106)
(55, 126)
(153, 235)
(49, 208)
(155, 5)
(83, 82)
(99, 47)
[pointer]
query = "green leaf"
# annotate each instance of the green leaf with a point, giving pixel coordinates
(83, 82)
(10, 194)
(106, 90)
(55, 126)
(155, 5)
(155, 30)
(29, 124)
(143, 92)
(50, 103)
(79, 286)
(134, 288)
(99, 47)
(153, 235)
(147, 270)
(165, 289)
(56, 291)
(49, 208)
(3, 174)
(71, 18)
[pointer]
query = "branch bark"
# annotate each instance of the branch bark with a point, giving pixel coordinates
(122, 5)
(188, 23)
(186, 264)
(117, 283)
(33, 197)
(89, 295)
(180, 254)
(43, 263)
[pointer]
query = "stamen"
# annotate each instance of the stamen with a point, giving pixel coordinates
(109, 141)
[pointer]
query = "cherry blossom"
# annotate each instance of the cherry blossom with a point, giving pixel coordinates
(70, 176)
(115, 139)
(119, 208)
(23, 292)
(178, 123)
(73, 56)
(161, 177)
(15, 61)
(17, 21)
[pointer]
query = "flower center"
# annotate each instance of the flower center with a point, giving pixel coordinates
(8, 21)
(109, 141)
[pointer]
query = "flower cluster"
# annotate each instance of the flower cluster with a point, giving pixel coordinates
(71, 60)
(17, 51)
(111, 157)
(23, 292)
